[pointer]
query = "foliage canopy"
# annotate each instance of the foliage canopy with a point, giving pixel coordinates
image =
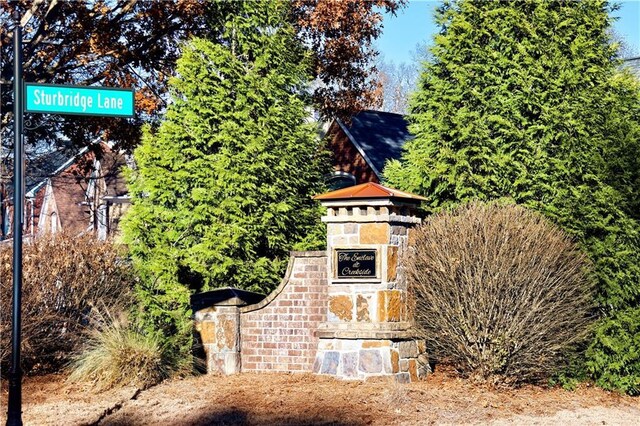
(223, 187)
(135, 43)
(523, 100)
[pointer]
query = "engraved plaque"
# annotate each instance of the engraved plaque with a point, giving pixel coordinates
(351, 263)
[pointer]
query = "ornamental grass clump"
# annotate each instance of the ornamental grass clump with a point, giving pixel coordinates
(501, 293)
(117, 355)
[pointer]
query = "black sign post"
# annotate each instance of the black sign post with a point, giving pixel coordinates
(14, 406)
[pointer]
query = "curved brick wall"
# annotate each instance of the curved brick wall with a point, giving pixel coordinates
(278, 334)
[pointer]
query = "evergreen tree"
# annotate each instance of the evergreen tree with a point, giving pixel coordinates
(523, 100)
(222, 189)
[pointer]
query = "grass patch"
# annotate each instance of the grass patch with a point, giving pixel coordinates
(118, 355)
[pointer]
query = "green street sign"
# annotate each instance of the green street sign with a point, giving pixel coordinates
(79, 100)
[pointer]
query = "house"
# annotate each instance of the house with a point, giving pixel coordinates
(70, 193)
(361, 149)
(633, 64)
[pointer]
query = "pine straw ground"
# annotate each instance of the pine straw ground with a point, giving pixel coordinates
(304, 399)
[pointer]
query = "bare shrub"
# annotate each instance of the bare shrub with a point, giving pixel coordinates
(63, 279)
(500, 292)
(116, 354)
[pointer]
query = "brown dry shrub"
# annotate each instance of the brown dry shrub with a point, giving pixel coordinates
(64, 278)
(500, 292)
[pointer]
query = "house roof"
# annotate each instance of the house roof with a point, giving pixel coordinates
(633, 64)
(47, 165)
(367, 191)
(41, 167)
(50, 164)
(378, 136)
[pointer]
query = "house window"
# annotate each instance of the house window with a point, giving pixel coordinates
(54, 223)
(339, 180)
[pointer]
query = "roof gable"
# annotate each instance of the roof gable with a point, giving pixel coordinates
(379, 136)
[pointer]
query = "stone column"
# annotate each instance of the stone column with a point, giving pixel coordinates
(217, 319)
(368, 331)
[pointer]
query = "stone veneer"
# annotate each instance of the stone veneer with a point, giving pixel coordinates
(368, 331)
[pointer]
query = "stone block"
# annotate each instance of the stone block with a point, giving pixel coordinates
(215, 363)
(350, 228)
(362, 308)
(390, 305)
(408, 349)
(317, 363)
(338, 240)
(404, 365)
(340, 308)
(395, 361)
(208, 332)
(353, 344)
(330, 363)
(374, 233)
(349, 364)
(370, 361)
(399, 230)
(403, 378)
(413, 370)
(392, 263)
(326, 345)
(227, 335)
(367, 344)
(424, 368)
(334, 229)
(232, 363)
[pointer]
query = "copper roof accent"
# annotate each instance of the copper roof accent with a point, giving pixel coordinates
(368, 190)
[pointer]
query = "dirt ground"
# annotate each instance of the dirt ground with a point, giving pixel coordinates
(305, 399)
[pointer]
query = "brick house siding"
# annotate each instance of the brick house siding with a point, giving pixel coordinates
(346, 157)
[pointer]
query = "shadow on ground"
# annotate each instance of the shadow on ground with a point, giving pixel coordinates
(236, 417)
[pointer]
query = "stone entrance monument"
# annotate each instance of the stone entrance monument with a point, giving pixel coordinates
(344, 312)
(368, 331)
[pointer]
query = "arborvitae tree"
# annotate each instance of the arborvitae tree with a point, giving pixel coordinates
(222, 189)
(523, 100)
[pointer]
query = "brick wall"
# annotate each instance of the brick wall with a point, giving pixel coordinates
(278, 334)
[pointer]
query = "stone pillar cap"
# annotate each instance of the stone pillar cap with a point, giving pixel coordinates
(368, 190)
(227, 296)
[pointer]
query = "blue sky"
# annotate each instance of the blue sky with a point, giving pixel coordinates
(414, 24)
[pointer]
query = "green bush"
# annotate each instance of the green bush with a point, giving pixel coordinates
(525, 100)
(614, 355)
(500, 292)
(222, 190)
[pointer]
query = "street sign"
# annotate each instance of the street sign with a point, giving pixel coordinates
(79, 100)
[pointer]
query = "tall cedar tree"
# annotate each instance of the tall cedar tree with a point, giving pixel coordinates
(523, 100)
(223, 188)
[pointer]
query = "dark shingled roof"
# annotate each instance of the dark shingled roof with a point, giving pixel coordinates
(45, 166)
(40, 168)
(379, 136)
(633, 64)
